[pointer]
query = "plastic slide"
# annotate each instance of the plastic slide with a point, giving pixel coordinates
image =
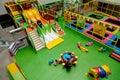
(36, 13)
(48, 34)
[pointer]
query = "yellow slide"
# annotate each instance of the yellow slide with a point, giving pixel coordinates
(34, 15)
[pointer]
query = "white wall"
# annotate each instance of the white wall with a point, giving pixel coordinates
(3, 10)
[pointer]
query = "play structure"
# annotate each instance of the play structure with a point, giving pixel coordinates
(99, 72)
(68, 59)
(56, 9)
(40, 32)
(53, 10)
(44, 27)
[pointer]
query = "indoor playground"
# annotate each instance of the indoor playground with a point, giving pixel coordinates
(65, 40)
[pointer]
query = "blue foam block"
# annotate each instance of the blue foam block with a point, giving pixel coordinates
(109, 42)
(117, 52)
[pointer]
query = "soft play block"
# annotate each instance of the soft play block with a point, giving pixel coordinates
(18, 76)
(15, 72)
(115, 56)
(12, 68)
(54, 43)
(117, 52)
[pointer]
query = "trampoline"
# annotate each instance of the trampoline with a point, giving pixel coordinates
(111, 30)
(113, 21)
(112, 42)
(96, 16)
(117, 44)
(107, 36)
(80, 29)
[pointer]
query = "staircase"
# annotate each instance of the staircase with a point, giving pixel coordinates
(38, 43)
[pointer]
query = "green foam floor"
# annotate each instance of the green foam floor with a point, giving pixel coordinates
(36, 67)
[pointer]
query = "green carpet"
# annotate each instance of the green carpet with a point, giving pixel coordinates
(35, 65)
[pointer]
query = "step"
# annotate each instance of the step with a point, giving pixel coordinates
(32, 32)
(36, 39)
(37, 45)
(39, 48)
(33, 35)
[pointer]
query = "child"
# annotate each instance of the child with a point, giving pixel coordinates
(55, 62)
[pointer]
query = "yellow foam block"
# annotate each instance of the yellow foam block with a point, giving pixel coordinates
(54, 43)
(12, 68)
(106, 68)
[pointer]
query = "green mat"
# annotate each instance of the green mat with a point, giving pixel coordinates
(35, 66)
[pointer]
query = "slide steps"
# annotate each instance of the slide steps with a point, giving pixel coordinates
(38, 43)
